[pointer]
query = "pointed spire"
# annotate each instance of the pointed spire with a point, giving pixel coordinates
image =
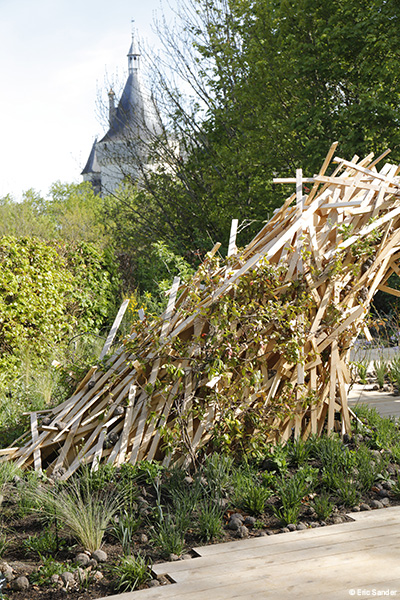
(133, 54)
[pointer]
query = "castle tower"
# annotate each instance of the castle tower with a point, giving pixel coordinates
(132, 124)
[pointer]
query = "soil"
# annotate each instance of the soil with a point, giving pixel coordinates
(23, 563)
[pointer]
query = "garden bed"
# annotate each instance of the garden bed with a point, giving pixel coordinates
(156, 514)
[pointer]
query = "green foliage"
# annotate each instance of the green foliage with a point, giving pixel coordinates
(217, 471)
(291, 491)
(131, 572)
(298, 452)
(209, 518)
(361, 368)
(323, 506)
(168, 534)
(271, 82)
(47, 291)
(381, 368)
(124, 531)
(253, 500)
(47, 569)
(84, 514)
(45, 543)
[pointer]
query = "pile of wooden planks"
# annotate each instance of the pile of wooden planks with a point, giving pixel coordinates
(253, 347)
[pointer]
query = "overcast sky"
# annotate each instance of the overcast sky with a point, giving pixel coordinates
(55, 56)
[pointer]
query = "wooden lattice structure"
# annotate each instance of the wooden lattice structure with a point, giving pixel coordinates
(334, 247)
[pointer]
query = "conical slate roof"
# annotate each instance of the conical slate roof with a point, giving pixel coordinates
(92, 165)
(136, 115)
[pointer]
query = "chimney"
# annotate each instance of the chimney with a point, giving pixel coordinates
(111, 106)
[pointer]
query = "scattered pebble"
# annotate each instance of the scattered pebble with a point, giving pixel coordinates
(250, 521)
(143, 539)
(82, 559)
(376, 504)
(100, 556)
(173, 557)
(153, 583)
(242, 532)
(20, 584)
(234, 524)
(67, 577)
(301, 526)
(364, 506)
(291, 527)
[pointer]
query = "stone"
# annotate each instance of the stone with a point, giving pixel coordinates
(188, 480)
(238, 516)
(92, 563)
(242, 532)
(376, 504)
(100, 556)
(262, 533)
(153, 583)
(387, 485)
(336, 520)
(68, 577)
(7, 571)
(323, 524)
(391, 469)
(186, 557)
(55, 579)
(250, 521)
(173, 557)
(284, 530)
(291, 527)
(234, 524)
(301, 526)
(314, 525)
(385, 501)
(98, 575)
(364, 506)
(383, 494)
(82, 559)
(143, 539)
(20, 584)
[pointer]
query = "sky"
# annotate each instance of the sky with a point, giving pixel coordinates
(56, 57)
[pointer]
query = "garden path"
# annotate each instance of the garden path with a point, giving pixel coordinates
(385, 403)
(360, 559)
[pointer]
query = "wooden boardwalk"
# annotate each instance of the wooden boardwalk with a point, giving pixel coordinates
(358, 559)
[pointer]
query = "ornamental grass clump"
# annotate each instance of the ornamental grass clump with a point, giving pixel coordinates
(84, 514)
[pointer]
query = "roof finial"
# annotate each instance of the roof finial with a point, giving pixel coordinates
(133, 54)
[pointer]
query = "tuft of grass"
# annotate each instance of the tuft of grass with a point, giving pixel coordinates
(210, 522)
(84, 514)
(323, 506)
(169, 535)
(381, 371)
(124, 531)
(131, 572)
(254, 498)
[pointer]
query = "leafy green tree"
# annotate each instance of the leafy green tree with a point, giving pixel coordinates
(70, 212)
(272, 83)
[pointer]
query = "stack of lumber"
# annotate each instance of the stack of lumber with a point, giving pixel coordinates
(253, 347)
